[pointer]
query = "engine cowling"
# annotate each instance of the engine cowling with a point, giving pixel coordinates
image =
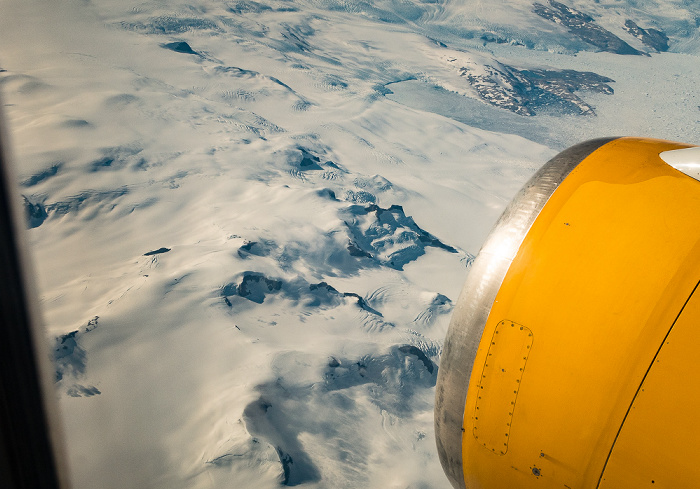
(571, 360)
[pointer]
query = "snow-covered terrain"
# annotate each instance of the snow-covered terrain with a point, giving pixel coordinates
(251, 219)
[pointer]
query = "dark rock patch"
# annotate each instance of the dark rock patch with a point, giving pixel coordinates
(305, 160)
(117, 158)
(653, 38)
(78, 390)
(236, 71)
(35, 213)
(244, 7)
(76, 123)
(584, 27)
(323, 294)
(68, 356)
(157, 252)
(362, 303)
(360, 197)
(287, 463)
(42, 175)
(526, 92)
(180, 47)
(170, 25)
(417, 352)
(355, 251)
(77, 202)
(396, 378)
(327, 194)
(439, 305)
(254, 286)
(92, 324)
(257, 248)
(388, 236)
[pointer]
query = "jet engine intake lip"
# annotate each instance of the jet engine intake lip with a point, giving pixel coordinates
(477, 297)
(686, 160)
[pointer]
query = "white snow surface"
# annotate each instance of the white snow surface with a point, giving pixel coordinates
(249, 252)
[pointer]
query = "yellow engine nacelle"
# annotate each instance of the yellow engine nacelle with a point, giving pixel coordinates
(572, 357)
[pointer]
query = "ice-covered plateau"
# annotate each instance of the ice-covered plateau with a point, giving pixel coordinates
(251, 219)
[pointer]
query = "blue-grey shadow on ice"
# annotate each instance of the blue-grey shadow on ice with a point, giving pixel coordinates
(70, 361)
(390, 380)
(265, 419)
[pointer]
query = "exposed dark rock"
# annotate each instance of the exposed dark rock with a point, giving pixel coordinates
(412, 350)
(396, 378)
(170, 25)
(157, 252)
(388, 236)
(236, 71)
(254, 286)
(35, 213)
(493, 37)
(526, 92)
(328, 194)
(117, 158)
(69, 357)
(180, 47)
(225, 460)
(354, 250)
(75, 203)
(78, 390)
(92, 324)
(42, 175)
(322, 295)
(257, 248)
(362, 303)
(653, 38)
(584, 27)
(102, 163)
(360, 197)
(305, 160)
(438, 306)
(323, 286)
(242, 7)
(436, 41)
(76, 123)
(287, 464)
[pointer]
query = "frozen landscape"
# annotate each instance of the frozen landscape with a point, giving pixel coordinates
(251, 219)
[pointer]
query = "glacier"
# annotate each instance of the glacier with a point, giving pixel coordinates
(250, 219)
